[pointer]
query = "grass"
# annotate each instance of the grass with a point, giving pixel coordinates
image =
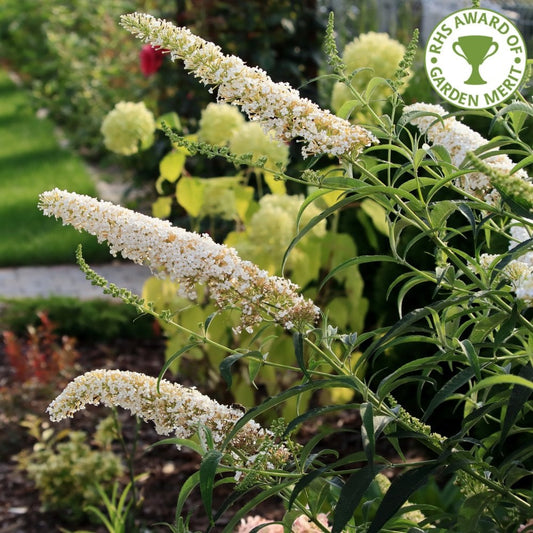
(31, 161)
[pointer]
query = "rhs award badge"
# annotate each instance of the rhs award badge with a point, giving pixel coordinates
(475, 58)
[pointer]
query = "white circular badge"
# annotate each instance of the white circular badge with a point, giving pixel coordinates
(475, 58)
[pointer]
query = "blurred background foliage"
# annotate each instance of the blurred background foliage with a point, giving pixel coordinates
(79, 63)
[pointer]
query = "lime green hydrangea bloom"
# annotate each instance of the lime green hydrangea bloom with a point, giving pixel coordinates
(377, 51)
(128, 128)
(218, 122)
(250, 138)
(272, 228)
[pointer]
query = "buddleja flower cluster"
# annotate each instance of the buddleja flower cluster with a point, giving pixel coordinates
(459, 139)
(128, 128)
(518, 271)
(277, 106)
(186, 257)
(172, 408)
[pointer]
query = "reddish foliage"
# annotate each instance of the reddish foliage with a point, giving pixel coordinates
(42, 356)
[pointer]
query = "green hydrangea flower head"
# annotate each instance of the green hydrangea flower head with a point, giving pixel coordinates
(128, 128)
(218, 122)
(380, 53)
(272, 228)
(250, 138)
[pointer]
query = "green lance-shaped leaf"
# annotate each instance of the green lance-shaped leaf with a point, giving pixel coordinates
(505, 379)
(207, 472)
(190, 483)
(304, 482)
(351, 494)
(398, 493)
(337, 381)
(253, 503)
(519, 396)
(406, 323)
(172, 358)
(448, 389)
(230, 360)
(298, 343)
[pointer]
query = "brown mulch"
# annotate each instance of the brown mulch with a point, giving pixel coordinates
(20, 509)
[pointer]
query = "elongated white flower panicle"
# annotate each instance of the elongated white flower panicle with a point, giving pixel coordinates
(459, 139)
(277, 106)
(172, 409)
(187, 258)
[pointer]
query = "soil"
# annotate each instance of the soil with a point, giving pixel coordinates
(168, 467)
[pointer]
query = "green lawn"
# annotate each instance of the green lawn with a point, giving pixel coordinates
(31, 161)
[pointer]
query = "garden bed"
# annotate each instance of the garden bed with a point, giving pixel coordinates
(168, 468)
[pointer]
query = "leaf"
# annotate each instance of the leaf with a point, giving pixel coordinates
(186, 488)
(162, 207)
(472, 356)
(171, 119)
(337, 381)
(519, 396)
(298, 343)
(171, 166)
(377, 213)
(230, 360)
(507, 379)
(276, 186)
(207, 472)
(473, 510)
(176, 441)
(303, 482)
(448, 389)
(373, 84)
(351, 494)
(441, 211)
(356, 261)
(398, 493)
(252, 504)
(170, 360)
(484, 326)
(371, 428)
(409, 319)
(346, 109)
(316, 412)
(190, 195)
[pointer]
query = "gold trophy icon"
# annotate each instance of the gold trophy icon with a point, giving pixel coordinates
(475, 49)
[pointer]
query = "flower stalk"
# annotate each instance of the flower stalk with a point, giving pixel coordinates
(277, 106)
(187, 258)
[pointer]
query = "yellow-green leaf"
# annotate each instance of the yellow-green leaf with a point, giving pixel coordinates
(190, 195)
(162, 206)
(171, 166)
(172, 120)
(275, 186)
(243, 199)
(377, 214)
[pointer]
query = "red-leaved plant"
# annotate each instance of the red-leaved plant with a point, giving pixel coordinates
(42, 355)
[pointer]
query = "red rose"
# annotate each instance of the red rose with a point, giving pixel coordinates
(151, 59)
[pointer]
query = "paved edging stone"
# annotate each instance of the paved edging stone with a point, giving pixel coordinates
(68, 280)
